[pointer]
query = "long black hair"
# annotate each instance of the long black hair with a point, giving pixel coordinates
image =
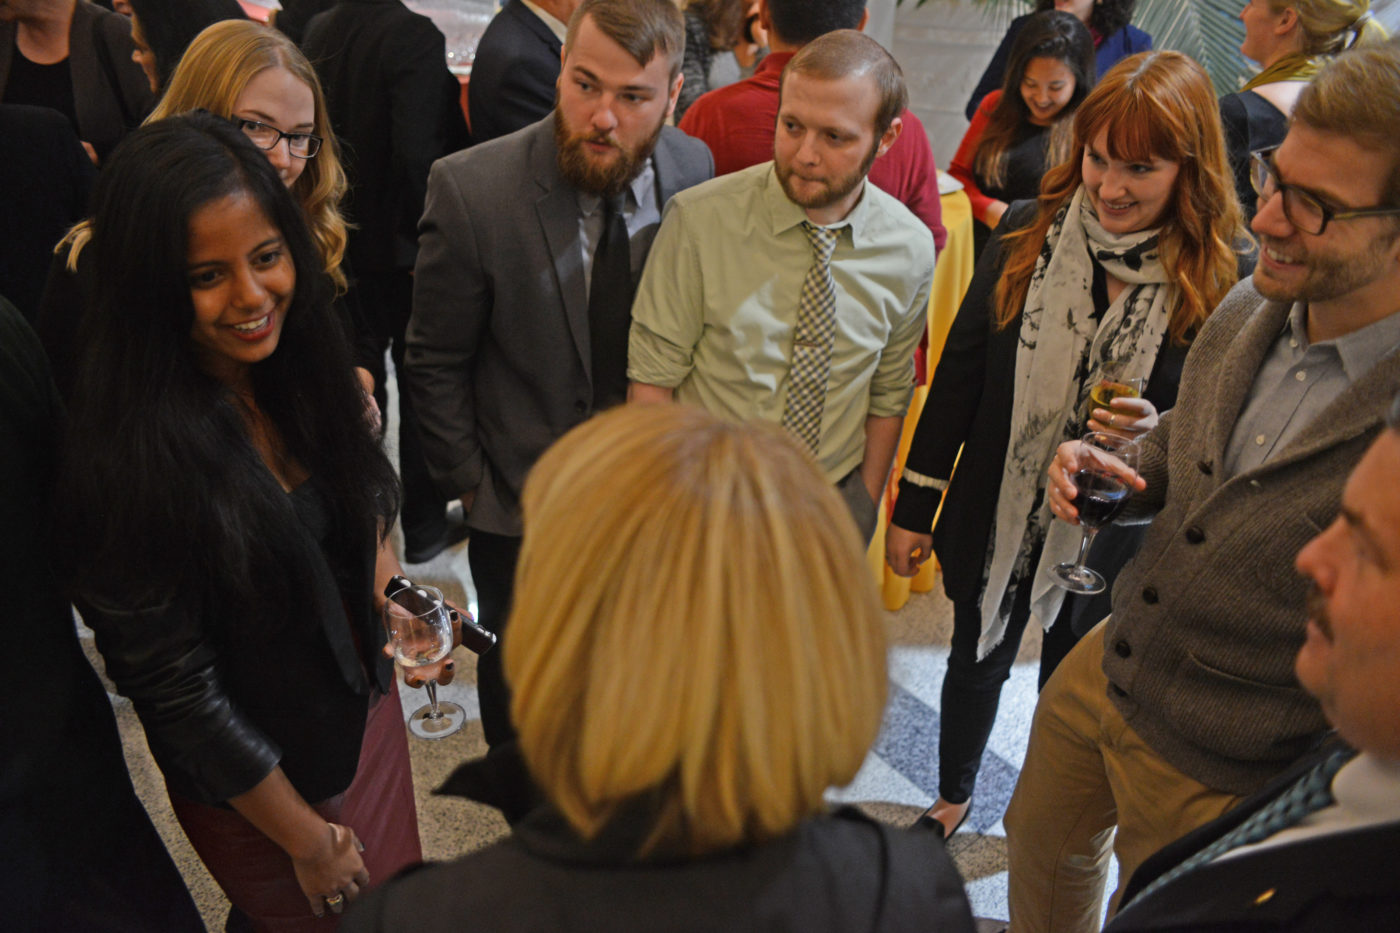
(162, 491)
(1055, 35)
(169, 25)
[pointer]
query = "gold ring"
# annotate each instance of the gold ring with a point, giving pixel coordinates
(335, 899)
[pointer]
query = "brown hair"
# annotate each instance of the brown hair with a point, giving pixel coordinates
(642, 27)
(847, 53)
(1153, 105)
(1357, 95)
(723, 19)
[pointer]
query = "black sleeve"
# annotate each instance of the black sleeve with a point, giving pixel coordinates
(1234, 120)
(955, 392)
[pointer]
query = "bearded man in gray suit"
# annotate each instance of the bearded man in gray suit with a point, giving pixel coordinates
(1184, 701)
(529, 251)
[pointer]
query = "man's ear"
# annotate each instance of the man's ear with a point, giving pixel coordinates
(674, 95)
(1287, 21)
(891, 134)
(864, 18)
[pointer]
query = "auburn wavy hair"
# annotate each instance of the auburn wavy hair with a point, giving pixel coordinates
(1151, 105)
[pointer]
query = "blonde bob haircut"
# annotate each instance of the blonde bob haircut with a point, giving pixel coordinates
(1150, 105)
(216, 67)
(694, 629)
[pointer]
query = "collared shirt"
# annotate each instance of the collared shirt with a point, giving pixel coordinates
(1297, 381)
(717, 306)
(555, 24)
(639, 209)
(1367, 793)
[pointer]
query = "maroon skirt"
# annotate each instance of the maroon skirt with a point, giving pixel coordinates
(378, 805)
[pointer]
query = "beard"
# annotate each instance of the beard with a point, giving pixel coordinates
(832, 190)
(1328, 276)
(584, 171)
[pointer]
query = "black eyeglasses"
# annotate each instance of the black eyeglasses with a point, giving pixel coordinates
(301, 145)
(1303, 210)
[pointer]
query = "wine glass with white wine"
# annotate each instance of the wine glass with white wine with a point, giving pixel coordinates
(419, 624)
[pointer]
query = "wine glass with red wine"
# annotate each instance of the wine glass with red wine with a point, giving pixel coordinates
(1103, 491)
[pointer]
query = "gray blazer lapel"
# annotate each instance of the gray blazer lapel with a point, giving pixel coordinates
(557, 209)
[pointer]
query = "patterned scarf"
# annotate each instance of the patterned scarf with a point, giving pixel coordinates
(1062, 349)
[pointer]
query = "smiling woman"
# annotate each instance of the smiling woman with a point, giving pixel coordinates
(231, 581)
(1130, 245)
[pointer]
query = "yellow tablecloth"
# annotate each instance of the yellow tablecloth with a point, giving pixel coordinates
(952, 273)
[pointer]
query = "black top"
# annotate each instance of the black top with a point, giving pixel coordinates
(78, 843)
(513, 76)
(1025, 166)
(1251, 123)
(832, 874)
(41, 86)
(969, 406)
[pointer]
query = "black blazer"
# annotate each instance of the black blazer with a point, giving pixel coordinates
(395, 108)
(513, 75)
(1342, 881)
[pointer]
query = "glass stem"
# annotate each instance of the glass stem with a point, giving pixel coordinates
(434, 711)
(1084, 543)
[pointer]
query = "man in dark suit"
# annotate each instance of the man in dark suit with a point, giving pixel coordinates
(1333, 869)
(394, 107)
(516, 66)
(530, 248)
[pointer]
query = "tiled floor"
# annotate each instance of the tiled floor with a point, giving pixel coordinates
(895, 784)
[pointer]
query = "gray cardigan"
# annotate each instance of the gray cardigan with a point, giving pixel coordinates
(1208, 617)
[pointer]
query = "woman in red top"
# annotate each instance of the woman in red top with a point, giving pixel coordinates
(1022, 128)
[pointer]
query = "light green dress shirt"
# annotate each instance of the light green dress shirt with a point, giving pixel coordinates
(717, 306)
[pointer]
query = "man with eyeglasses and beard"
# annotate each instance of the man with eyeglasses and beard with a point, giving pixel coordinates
(529, 249)
(1184, 700)
(792, 291)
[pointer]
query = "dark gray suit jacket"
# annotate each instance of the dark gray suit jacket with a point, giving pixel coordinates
(498, 346)
(513, 75)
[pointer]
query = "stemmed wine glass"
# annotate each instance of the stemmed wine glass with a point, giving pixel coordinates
(1103, 491)
(420, 630)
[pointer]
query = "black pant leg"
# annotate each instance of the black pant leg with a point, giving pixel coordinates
(971, 694)
(388, 299)
(493, 559)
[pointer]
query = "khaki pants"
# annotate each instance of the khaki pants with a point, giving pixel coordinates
(1085, 771)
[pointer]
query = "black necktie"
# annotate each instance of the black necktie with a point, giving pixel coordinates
(610, 308)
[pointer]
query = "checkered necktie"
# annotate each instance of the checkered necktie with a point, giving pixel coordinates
(1310, 793)
(812, 340)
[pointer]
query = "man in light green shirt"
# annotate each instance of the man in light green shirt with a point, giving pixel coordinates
(716, 321)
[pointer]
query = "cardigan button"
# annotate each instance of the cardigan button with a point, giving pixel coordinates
(1123, 649)
(1204, 466)
(1195, 535)
(1149, 595)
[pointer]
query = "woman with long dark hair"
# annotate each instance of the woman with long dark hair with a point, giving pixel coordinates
(1021, 129)
(162, 29)
(1131, 244)
(225, 507)
(1110, 25)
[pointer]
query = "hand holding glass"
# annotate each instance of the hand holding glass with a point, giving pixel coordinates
(1103, 486)
(420, 631)
(1112, 382)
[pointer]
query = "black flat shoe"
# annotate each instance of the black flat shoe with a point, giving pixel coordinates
(929, 822)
